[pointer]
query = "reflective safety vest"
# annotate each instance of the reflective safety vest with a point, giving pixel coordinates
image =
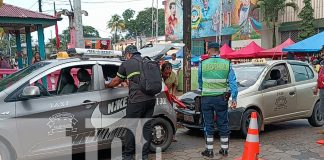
(214, 72)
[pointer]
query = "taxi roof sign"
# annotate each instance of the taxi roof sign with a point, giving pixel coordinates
(93, 52)
(259, 61)
(62, 55)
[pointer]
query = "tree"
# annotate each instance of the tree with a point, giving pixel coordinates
(270, 10)
(128, 14)
(116, 23)
(142, 24)
(90, 32)
(307, 23)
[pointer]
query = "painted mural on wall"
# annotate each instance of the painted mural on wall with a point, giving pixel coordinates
(238, 19)
(173, 20)
(204, 18)
(245, 21)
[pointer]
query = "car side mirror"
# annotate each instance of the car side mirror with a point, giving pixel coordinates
(30, 92)
(269, 83)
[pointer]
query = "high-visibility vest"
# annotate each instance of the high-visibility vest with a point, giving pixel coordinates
(214, 72)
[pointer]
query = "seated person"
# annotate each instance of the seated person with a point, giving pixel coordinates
(84, 79)
(67, 82)
(276, 75)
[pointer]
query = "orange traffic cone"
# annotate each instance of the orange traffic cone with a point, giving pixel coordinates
(251, 146)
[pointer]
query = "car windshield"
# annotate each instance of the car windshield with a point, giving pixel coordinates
(247, 75)
(15, 77)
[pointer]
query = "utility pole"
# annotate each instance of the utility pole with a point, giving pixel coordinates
(157, 20)
(187, 47)
(79, 41)
(40, 5)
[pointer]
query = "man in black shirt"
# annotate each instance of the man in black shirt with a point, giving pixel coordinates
(139, 105)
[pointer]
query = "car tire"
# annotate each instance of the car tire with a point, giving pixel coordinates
(5, 152)
(246, 120)
(162, 134)
(316, 120)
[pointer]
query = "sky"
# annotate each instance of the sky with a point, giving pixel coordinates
(99, 12)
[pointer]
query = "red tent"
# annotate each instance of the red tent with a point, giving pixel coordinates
(277, 51)
(224, 50)
(250, 51)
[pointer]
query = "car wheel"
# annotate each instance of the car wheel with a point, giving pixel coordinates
(5, 152)
(317, 119)
(246, 121)
(162, 134)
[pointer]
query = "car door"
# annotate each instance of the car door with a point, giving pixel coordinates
(113, 101)
(279, 101)
(47, 123)
(305, 81)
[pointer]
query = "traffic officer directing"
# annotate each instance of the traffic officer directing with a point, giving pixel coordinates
(139, 105)
(215, 76)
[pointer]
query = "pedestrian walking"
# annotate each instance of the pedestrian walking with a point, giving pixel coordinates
(36, 58)
(320, 88)
(140, 104)
(215, 76)
(169, 77)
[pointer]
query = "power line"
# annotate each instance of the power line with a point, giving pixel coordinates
(33, 4)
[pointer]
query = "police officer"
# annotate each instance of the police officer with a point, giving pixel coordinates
(215, 76)
(139, 105)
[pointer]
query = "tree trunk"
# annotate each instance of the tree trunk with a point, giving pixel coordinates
(274, 36)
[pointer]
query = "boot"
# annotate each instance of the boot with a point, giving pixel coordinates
(208, 153)
(223, 152)
(224, 145)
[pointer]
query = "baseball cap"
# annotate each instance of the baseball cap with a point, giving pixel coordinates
(130, 49)
(213, 45)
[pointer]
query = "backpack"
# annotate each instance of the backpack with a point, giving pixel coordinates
(320, 80)
(150, 82)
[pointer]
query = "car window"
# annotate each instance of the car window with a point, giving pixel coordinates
(280, 74)
(110, 72)
(302, 73)
(68, 80)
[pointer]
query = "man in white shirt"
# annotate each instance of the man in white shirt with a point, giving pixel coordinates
(176, 64)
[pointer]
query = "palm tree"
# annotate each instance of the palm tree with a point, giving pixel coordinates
(116, 23)
(270, 11)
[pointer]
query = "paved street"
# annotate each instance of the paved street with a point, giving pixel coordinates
(294, 140)
(283, 141)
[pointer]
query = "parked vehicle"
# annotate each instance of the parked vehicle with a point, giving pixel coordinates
(278, 91)
(38, 122)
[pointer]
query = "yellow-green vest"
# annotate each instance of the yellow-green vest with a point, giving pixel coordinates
(214, 76)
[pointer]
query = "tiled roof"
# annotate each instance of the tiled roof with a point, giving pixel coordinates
(11, 11)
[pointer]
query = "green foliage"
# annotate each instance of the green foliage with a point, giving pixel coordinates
(307, 23)
(142, 24)
(116, 24)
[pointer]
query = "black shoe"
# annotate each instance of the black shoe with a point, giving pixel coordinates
(223, 152)
(145, 157)
(208, 153)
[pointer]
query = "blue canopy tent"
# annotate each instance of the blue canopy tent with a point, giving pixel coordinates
(309, 45)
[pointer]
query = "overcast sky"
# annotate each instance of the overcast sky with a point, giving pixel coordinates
(99, 11)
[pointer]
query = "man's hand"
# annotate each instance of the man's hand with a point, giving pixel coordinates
(234, 105)
(315, 91)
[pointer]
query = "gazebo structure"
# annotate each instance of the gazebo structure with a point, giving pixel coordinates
(16, 20)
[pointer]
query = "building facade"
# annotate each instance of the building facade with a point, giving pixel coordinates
(289, 27)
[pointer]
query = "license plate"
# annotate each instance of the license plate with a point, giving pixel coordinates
(188, 118)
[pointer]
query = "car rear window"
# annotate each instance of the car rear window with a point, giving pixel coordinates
(302, 72)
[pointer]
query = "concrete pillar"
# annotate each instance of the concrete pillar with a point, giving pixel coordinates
(18, 46)
(41, 41)
(29, 45)
(41, 44)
